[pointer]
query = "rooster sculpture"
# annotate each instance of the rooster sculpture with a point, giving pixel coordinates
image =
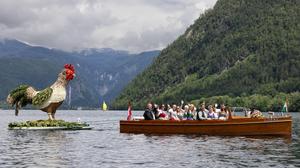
(47, 100)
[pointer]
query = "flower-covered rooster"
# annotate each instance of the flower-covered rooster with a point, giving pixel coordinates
(47, 100)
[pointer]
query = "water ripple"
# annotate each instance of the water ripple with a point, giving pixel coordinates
(104, 146)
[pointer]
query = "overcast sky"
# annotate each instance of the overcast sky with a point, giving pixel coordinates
(134, 25)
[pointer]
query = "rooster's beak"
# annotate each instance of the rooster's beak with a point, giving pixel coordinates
(74, 75)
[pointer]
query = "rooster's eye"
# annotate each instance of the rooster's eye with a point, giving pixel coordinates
(64, 73)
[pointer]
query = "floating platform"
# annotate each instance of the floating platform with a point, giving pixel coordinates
(48, 125)
(50, 128)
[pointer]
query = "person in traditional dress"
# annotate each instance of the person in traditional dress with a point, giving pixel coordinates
(211, 114)
(180, 112)
(202, 113)
(187, 113)
(173, 113)
(162, 113)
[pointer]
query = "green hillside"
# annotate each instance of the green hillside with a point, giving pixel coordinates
(240, 48)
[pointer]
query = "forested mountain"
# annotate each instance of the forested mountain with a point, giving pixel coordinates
(238, 49)
(100, 73)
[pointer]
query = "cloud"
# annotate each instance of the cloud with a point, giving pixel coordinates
(134, 25)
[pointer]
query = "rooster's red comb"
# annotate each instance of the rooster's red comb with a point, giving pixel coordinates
(70, 67)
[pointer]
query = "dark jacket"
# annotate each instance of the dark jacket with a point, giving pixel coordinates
(155, 111)
(149, 115)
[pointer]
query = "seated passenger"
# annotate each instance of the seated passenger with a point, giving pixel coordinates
(211, 114)
(155, 111)
(193, 111)
(162, 114)
(169, 109)
(179, 113)
(148, 114)
(173, 113)
(202, 113)
(216, 109)
(187, 113)
(223, 114)
(223, 108)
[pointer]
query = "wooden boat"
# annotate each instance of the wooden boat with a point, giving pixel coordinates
(235, 126)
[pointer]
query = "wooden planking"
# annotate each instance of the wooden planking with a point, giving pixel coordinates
(242, 126)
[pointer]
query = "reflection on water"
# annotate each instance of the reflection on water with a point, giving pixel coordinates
(104, 146)
(35, 148)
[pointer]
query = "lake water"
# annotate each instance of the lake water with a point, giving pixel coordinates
(104, 146)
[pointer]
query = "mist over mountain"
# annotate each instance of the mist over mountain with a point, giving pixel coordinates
(100, 73)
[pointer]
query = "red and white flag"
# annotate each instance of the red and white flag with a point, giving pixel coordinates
(129, 114)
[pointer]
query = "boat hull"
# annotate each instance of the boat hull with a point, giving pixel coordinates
(234, 127)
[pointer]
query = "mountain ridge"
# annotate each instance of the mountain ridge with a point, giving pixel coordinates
(238, 48)
(100, 75)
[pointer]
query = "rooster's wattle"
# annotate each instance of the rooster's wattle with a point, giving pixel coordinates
(47, 100)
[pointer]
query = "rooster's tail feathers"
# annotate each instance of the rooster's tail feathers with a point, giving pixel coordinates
(18, 97)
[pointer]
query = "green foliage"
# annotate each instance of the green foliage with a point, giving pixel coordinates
(19, 95)
(42, 96)
(47, 123)
(239, 48)
(261, 102)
